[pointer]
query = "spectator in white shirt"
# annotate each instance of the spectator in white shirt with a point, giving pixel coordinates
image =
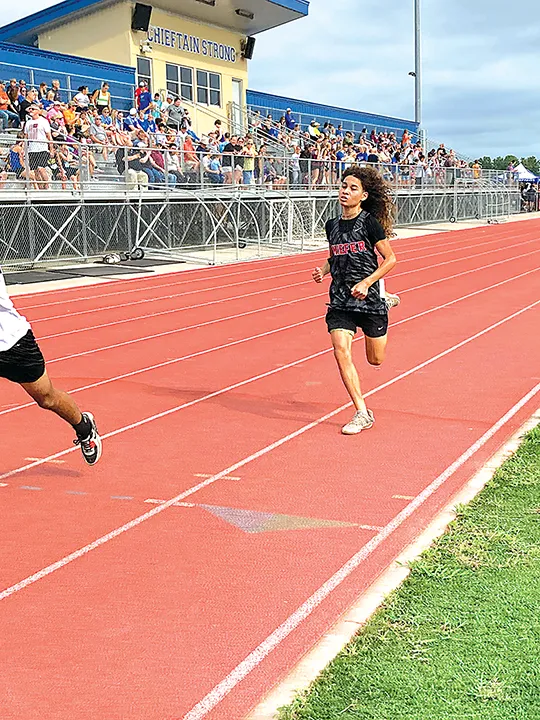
(37, 132)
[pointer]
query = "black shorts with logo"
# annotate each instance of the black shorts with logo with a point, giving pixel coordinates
(372, 325)
(22, 363)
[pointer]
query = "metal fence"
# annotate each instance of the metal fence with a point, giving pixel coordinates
(88, 167)
(89, 201)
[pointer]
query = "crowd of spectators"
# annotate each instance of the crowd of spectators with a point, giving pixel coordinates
(155, 142)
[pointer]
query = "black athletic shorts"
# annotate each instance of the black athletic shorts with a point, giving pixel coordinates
(38, 159)
(22, 363)
(372, 326)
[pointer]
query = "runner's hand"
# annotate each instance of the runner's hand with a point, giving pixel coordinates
(360, 290)
(317, 275)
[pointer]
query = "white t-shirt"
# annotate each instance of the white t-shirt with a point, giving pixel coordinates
(12, 325)
(36, 131)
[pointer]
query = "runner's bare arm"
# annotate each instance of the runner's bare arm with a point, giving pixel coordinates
(360, 290)
(319, 272)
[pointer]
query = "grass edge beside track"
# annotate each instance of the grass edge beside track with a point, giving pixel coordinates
(459, 639)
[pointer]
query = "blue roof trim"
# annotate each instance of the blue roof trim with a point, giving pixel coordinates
(18, 52)
(307, 107)
(299, 6)
(30, 23)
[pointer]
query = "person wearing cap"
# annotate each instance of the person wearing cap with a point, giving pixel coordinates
(7, 111)
(144, 98)
(37, 132)
(130, 121)
(290, 121)
(313, 130)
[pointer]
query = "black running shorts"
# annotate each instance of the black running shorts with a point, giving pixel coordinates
(22, 363)
(373, 326)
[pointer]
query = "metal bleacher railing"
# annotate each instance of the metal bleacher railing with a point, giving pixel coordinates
(94, 199)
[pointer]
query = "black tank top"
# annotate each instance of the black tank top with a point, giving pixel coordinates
(353, 258)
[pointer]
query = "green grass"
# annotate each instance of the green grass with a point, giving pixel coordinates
(460, 639)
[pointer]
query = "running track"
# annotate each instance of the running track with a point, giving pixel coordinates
(177, 579)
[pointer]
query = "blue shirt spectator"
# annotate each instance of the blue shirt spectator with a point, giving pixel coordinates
(290, 121)
(145, 98)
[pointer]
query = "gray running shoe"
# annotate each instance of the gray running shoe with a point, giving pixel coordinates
(392, 301)
(361, 421)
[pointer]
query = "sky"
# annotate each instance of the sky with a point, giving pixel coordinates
(480, 58)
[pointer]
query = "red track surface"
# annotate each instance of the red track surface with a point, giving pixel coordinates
(176, 612)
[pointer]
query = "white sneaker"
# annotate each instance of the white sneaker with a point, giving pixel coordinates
(91, 446)
(361, 421)
(392, 301)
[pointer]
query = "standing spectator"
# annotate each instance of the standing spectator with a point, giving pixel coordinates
(176, 115)
(7, 110)
(290, 121)
(29, 98)
(250, 154)
(81, 99)
(37, 131)
(144, 98)
(55, 87)
(102, 98)
(13, 93)
(42, 91)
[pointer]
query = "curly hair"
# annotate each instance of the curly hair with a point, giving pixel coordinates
(379, 201)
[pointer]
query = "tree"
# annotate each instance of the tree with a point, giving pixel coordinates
(486, 162)
(532, 164)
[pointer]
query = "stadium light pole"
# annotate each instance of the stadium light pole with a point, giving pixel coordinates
(418, 68)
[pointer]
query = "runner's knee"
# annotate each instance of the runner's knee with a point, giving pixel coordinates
(47, 401)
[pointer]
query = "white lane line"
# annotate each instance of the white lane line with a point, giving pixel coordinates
(259, 280)
(232, 468)
(220, 691)
(163, 297)
(172, 311)
(278, 265)
(188, 280)
(265, 334)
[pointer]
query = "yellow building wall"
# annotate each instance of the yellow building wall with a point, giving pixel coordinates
(161, 55)
(106, 35)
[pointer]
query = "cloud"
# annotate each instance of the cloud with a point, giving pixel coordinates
(480, 79)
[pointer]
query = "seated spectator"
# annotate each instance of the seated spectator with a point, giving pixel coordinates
(144, 122)
(214, 172)
(98, 135)
(162, 174)
(70, 116)
(8, 112)
(106, 117)
(130, 121)
(17, 158)
(128, 163)
(55, 116)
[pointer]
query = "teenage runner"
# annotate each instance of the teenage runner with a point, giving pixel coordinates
(357, 299)
(21, 362)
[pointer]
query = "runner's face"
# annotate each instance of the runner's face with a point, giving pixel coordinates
(351, 193)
